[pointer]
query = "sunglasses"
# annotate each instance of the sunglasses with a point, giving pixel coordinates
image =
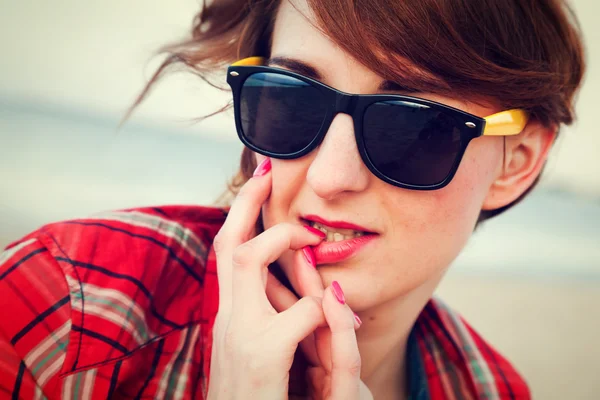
(406, 141)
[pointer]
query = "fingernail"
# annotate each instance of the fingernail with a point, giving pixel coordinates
(357, 319)
(263, 167)
(338, 292)
(309, 255)
(315, 231)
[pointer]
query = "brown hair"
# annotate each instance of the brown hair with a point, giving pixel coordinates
(518, 53)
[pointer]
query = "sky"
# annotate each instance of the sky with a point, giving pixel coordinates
(94, 57)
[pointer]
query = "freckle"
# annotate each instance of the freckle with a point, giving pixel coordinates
(371, 318)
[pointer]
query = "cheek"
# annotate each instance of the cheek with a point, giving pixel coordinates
(287, 179)
(435, 225)
(456, 207)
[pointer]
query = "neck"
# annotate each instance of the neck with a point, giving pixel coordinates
(382, 341)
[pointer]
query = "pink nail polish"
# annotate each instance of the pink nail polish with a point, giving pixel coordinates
(338, 292)
(317, 232)
(357, 319)
(263, 167)
(309, 255)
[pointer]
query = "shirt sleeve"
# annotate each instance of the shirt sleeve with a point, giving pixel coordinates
(35, 321)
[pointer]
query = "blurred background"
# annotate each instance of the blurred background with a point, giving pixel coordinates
(528, 281)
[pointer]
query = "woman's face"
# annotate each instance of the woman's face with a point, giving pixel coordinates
(419, 232)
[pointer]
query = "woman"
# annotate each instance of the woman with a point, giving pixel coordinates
(380, 134)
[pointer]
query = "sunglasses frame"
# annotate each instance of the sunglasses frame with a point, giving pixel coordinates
(505, 123)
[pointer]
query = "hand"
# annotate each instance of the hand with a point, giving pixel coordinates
(337, 376)
(332, 350)
(253, 344)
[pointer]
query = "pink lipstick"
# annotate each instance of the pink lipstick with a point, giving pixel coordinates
(333, 252)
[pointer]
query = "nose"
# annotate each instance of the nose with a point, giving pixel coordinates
(337, 166)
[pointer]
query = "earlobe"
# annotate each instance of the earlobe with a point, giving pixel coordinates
(524, 158)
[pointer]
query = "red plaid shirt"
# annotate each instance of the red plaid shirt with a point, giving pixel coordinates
(122, 304)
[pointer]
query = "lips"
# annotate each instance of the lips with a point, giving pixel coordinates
(336, 224)
(333, 252)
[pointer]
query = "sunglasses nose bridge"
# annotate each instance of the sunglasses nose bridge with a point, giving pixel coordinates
(344, 103)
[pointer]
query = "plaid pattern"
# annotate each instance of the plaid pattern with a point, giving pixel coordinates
(122, 304)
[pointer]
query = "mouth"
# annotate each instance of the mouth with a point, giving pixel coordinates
(343, 241)
(336, 231)
(336, 235)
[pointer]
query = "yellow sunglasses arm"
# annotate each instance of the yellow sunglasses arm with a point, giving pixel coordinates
(249, 61)
(505, 123)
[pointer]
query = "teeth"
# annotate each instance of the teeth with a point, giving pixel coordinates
(336, 235)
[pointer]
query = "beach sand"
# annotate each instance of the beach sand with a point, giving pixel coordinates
(547, 327)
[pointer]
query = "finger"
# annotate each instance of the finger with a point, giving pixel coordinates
(301, 319)
(308, 281)
(307, 278)
(345, 357)
(317, 381)
(309, 348)
(281, 299)
(251, 259)
(246, 206)
(365, 392)
(237, 228)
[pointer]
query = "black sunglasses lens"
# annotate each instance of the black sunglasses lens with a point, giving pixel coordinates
(411, 143)
(280, 114)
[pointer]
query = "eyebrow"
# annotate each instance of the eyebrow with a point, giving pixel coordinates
(310, 71)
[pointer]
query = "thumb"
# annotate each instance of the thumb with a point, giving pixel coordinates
(345, 357)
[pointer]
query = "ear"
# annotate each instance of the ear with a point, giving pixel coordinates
(524, 158)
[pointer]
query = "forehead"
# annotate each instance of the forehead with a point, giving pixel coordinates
(297, 35)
